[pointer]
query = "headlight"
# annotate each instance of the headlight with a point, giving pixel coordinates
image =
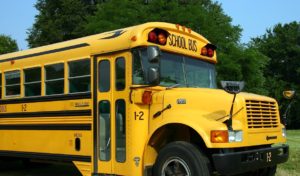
(284, 132)
(235, 136)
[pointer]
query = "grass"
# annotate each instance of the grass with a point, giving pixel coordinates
(292, 166)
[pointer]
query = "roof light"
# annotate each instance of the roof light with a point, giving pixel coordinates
(158, 36)
(133, 38)
(204, 51)
(152, 37)
(208, 50)
(162, 39)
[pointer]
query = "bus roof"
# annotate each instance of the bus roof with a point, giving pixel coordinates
(181, 40)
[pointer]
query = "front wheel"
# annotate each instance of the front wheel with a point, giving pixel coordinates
(181, 159)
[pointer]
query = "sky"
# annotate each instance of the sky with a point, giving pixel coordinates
(253, 16)
(256, 16)
(16, 17)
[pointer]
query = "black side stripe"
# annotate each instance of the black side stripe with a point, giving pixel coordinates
(46, 156)
(47, 98)
(47, 52)
(82, 127)
(47, 114)
(95, 114)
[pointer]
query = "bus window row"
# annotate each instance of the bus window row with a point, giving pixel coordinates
(79, 79)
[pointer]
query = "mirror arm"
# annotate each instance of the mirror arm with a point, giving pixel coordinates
(285, 114)
(229, 121)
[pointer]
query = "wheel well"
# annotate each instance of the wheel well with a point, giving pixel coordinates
(176, 132)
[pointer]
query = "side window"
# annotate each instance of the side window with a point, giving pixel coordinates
(54, 79)
(104, 76)
(12, 83)
(0, 85)
(120, 73)
(32, 82)
(104, 130)
(120, 131)
(79, 76)
(137, 69)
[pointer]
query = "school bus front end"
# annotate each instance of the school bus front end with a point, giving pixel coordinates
(187, 116)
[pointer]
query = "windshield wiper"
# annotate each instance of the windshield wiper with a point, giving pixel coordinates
(173, 86)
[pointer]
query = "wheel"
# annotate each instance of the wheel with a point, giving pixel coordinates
(181, 159)
(269, 171)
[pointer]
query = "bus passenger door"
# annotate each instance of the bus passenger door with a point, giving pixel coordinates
(113, 93)
(104, 97)
(120, 87)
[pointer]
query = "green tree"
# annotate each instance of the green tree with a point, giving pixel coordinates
(237, 62)
(282, 45)
(203, 16)
(59, 20)
(7, 44)
(65, 19)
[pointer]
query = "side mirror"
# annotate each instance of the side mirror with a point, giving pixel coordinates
(289, 94)
(154, 54)
(153, 76)
(233, 87)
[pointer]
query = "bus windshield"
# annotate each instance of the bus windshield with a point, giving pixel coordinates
(175, 69)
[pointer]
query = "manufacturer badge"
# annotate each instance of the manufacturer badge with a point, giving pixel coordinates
(181, 101)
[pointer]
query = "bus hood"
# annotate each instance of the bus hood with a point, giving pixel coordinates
(212, 104)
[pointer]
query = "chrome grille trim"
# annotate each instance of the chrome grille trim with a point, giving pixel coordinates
(261, 114)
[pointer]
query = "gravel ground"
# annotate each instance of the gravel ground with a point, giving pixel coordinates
(17, 168)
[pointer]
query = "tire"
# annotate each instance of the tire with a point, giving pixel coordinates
(181, 159)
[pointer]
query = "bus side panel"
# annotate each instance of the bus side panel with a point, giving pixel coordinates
(57, 142)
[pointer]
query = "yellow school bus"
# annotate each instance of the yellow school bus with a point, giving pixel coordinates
(136, 101)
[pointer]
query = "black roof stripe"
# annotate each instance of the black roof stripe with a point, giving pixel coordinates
(46, 52)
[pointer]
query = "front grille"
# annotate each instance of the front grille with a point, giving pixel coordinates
(261, 114)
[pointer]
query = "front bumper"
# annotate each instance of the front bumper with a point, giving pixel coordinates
(239, 162)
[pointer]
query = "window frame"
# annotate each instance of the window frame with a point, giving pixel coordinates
(99, 76)
(53, 80)
(108, 136)
(117, 104)
(33, 82)
(78, 77)
(11, 85)
(1, 85)
(116, 75)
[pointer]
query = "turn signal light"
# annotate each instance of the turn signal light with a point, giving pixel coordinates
(219, 136)
(147, 97)
(158, 36)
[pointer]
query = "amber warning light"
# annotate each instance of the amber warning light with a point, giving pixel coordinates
(158, 36)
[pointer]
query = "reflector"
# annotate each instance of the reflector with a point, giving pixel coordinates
(147, 97)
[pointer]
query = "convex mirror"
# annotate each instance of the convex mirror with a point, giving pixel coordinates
(233, 87)
(289, 94)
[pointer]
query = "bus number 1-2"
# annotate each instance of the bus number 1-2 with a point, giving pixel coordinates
(24, 107)
(139, 115)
